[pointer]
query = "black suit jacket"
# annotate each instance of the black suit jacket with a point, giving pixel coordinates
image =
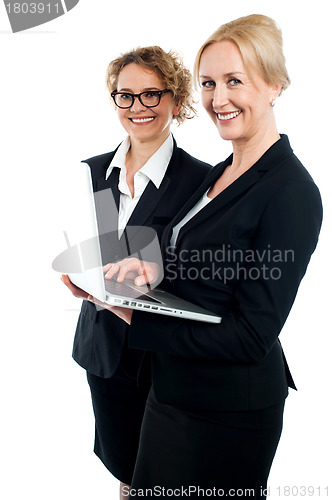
(243, 257)
(100, 336)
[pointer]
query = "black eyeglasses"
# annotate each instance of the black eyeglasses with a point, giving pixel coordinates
(149, 99)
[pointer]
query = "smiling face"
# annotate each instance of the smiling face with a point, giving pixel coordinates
(239, 104)
(141, 123)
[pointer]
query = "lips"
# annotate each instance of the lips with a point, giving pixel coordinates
(228, 116)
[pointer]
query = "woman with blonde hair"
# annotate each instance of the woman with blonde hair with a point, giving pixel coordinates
(214, 413)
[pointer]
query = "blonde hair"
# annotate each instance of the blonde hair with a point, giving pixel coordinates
(168, 66)
(259, 41)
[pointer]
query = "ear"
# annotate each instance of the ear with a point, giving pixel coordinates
(275, 91)
(177, 109)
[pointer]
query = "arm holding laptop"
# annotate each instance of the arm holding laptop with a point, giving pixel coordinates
(132, 268)
(121, 312)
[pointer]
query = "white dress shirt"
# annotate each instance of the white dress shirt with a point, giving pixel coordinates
(153, 170)
(199, 205)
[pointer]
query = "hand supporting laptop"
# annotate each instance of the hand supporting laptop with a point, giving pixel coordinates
(75, 290)
(139, 271)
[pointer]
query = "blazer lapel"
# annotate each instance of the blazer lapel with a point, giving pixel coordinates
(111, 183)
(148, 201)
(237, 189)
(208, 181)
(151, 195)
(142, 212)
(226, 197)
(107, 199)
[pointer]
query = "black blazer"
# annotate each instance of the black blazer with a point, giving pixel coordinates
(243, 257)
(100, 336)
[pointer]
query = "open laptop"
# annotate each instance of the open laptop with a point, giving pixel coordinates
(82, 260)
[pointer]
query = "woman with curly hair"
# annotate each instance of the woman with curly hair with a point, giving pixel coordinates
(150, 179)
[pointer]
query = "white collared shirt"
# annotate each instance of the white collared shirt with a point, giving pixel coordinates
(153, 170)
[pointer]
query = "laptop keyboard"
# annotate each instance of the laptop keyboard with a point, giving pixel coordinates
(115, 288)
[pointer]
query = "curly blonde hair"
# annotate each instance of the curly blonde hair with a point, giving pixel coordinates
(168, 66)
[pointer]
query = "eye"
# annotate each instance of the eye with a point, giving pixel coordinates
(151, 95)
(233, 82)
(208, 84)
(124, 97)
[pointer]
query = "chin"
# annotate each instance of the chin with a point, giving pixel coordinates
(227, 135)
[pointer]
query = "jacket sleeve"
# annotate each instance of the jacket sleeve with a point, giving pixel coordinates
(289, 227)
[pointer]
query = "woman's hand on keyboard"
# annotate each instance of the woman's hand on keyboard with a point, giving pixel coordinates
(140, 271)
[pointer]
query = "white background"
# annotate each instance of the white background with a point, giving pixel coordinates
(54, 112)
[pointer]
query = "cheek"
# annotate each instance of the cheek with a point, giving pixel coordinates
(206, 100)
(164, 117)
(121, 114)
(167, 110)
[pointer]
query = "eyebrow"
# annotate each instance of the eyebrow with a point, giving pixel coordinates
(145, 90)
(231, 73)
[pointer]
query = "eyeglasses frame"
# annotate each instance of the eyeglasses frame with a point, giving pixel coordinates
(160, 93)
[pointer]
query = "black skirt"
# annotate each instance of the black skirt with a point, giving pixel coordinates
(118, 405)
(199, 454)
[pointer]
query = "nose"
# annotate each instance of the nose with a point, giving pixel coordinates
(137, 106)
(220, 96)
